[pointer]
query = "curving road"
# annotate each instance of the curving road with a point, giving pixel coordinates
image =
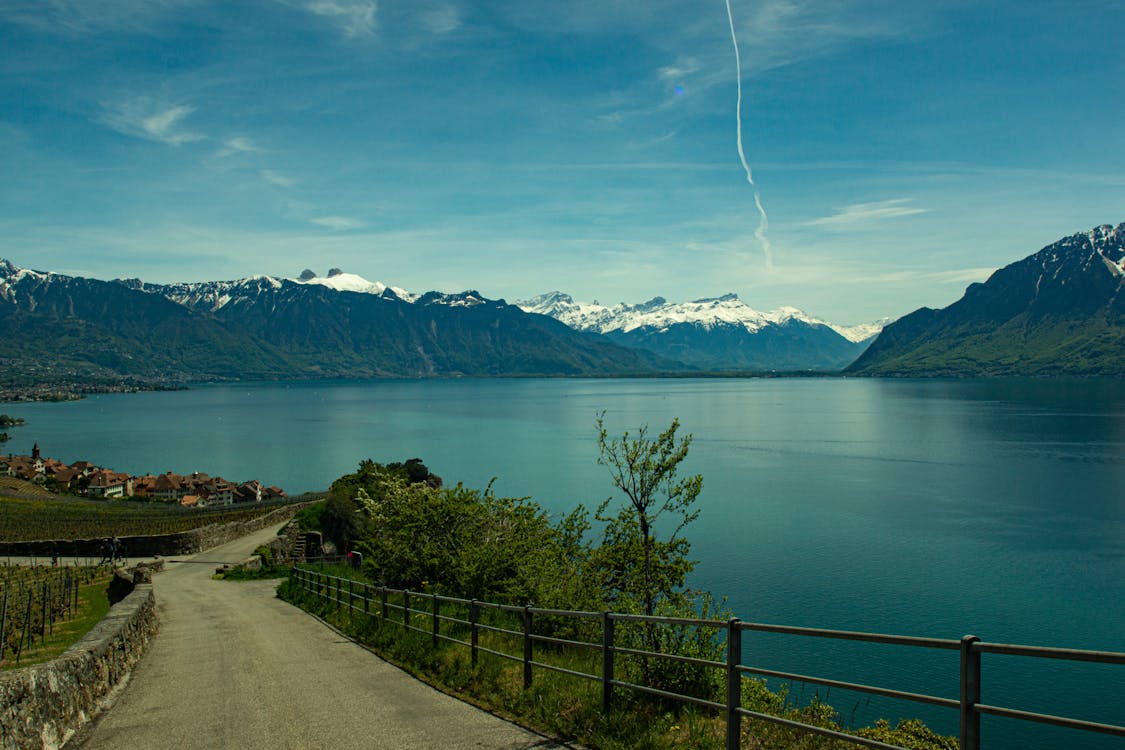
(235, 667)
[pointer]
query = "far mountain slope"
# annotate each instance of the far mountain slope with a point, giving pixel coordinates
(723, 333)
(1057, 312)
(53, 324)
(376, 330)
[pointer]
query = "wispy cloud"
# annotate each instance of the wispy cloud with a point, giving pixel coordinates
(236, 145)
(144, 118)
(339, 223)
(862, 215)
(679, 70)
(76, 17)
(355, 18)
(275, 178)
(441, 20)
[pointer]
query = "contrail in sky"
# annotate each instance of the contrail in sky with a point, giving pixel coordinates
(764, 221)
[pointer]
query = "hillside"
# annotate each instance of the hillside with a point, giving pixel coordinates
(55, 327)
(325, 331)
(1057, 312)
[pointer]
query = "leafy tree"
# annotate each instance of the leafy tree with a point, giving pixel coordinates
(343, 520)
(636, 563)
(417, 534)
(640, 570)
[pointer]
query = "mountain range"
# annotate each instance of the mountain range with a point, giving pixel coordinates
(264, 327)
(720, 334)
(1060, 311)
(1057, 312)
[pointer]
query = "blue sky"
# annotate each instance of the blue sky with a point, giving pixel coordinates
(901, 150)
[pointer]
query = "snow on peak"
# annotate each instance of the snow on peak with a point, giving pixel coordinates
(656, 313)
(863, 331)
(11, 275)
(660, 314)
(342, 281)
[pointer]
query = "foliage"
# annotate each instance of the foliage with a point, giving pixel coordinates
(636, 565)
(311, 517)
(910, 733)
(343, 521)
(423, 536)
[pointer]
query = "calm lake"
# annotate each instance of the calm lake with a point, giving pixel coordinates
(917, 508)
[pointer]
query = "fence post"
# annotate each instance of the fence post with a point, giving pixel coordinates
(436, 618)
(4, 625)
(527, 646)
(351, 594)
(970, 693)
(383, 602)
(607, 661)
(734, 684)
(366, 600)
(406, 608)
(474, 634)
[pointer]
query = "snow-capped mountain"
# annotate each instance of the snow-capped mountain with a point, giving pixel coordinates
(661, 314)
(342, 281)
(263, 327)
(1060, 311)
(208, 295)
(721, 333)
(214, 295)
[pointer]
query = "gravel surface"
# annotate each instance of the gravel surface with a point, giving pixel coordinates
(235, 667)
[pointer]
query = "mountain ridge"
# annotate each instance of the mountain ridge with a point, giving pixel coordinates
(721, 333)
(1059, 311)
(266, 327)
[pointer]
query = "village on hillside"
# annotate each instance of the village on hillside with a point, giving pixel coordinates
(196, 490)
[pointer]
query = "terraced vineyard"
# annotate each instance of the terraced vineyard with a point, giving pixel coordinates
(43, 609)
(56, 518)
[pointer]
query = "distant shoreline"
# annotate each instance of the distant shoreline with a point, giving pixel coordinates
(77, 390)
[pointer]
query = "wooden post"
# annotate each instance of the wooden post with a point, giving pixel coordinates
(474, 633)
(970, 693)
(734, 684)
(527, 652)
(437, 619)
(607, 661)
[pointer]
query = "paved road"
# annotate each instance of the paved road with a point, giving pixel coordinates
(235, 667)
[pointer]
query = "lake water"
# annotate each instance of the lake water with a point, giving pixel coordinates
(917, 508)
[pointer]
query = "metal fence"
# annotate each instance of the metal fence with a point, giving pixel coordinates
(406, 607)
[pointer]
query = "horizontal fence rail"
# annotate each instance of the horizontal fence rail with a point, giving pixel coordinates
(427, 613)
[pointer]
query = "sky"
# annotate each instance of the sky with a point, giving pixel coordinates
(900, 150)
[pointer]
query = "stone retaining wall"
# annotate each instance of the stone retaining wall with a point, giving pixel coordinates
(43, 705)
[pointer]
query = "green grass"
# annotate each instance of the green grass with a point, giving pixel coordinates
(241, 574)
